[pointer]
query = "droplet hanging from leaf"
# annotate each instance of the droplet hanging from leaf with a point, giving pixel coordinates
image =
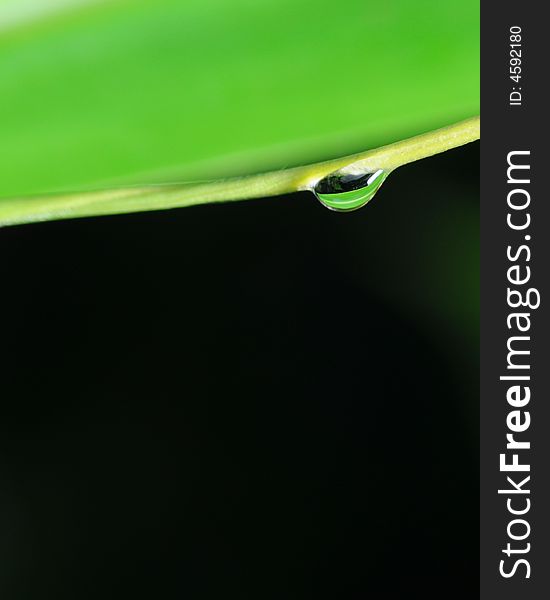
(346, 191)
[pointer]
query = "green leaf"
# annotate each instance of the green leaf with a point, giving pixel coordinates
(386, 159)
(94, 94)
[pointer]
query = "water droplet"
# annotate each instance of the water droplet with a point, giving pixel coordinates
(343, 191)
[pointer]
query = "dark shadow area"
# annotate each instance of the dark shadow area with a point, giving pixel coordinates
(261, 400)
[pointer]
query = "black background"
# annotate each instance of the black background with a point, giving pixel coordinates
(253, 400)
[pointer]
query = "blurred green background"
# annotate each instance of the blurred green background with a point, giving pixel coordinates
(109, 92)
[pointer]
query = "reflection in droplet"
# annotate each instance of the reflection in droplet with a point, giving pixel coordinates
(348, 191)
